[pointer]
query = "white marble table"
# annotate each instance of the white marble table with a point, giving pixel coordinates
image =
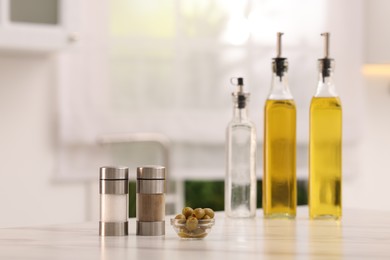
(362, 234)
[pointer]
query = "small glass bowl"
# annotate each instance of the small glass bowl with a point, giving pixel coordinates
(201, 231)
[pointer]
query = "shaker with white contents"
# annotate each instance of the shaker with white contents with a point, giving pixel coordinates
(114, 190)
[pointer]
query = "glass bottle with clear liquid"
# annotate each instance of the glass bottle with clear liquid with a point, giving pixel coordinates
(240, 181)
(279, 179)
(325, 144)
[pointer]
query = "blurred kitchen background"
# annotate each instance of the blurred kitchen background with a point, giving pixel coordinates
(86, 83)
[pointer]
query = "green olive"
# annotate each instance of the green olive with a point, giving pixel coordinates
(201, 235)
(192, 223)
(181, 218)
(198, 232)
(187, 211)
(183, 234)
(209, 212)
(199, 213)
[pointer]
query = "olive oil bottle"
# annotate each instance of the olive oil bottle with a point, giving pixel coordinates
(325, 144)
(279, 180)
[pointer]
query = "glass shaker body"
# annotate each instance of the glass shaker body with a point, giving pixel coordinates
(113, 189)
(150, 201)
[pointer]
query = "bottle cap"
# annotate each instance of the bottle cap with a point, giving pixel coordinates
(326, 64)
(279, 64)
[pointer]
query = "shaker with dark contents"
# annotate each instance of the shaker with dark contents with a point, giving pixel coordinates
(151, 201)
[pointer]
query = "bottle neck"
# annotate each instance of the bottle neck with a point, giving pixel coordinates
(326, 86)
(240, 108)
(280, 89)
(240, 113)
(279, 86)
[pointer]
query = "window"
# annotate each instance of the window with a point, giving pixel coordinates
(165, 67)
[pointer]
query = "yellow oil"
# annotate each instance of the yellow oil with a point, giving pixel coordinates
(325, 158)
(279, 180)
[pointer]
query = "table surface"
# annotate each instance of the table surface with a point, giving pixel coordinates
(361, 234)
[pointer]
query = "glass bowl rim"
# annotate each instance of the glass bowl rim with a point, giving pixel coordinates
(201, 222)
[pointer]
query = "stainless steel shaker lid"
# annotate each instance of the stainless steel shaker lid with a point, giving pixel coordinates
(114, 173)
(151, 172)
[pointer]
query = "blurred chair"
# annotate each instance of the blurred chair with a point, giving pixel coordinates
(153, 148)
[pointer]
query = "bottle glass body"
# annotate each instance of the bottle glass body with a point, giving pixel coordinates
(325, 145)
(279, 179)
(240, 181)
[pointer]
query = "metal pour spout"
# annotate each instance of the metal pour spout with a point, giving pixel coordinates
(326, 44)
(279, 45)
